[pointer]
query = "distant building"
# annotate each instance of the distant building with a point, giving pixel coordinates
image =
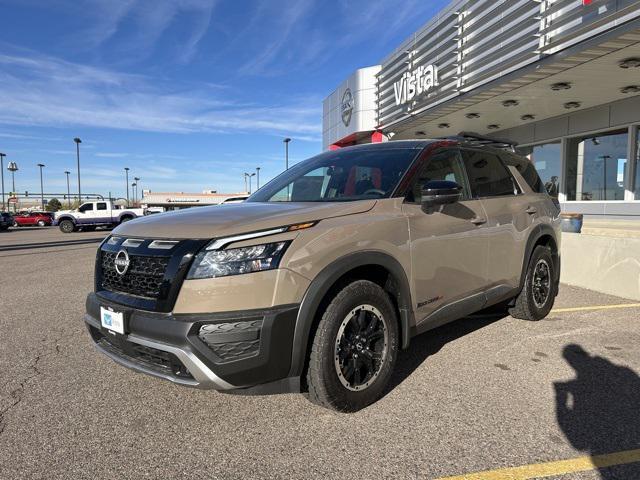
(166, 201)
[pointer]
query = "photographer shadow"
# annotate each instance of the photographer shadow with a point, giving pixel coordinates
(599, 411)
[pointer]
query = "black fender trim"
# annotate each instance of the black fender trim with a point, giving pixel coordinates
(326, 279)
(66, 217)
(538, 232)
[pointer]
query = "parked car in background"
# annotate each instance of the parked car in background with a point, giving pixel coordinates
(90, 215)
(6, 220)
(41, 219)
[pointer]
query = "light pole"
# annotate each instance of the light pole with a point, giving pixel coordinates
(126, 174)
(135, 197)
(286, 159)
(41, 165)
(78, 142)
(286, 153)
(2, 155)
(68, 190)
(133, 192)
(257, 178)
(245, 182)
(249, 175)
(604, 174)
(13, 168)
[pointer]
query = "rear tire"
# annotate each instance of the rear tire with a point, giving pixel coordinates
(67, 226)
(126, 218)
(41, 223)
(354, 348)
(538, 294)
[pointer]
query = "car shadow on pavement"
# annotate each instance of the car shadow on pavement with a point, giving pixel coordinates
(599, 410)
(430, 343)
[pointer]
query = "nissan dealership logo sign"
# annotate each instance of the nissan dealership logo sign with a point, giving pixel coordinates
(415, 83)
(346, 107)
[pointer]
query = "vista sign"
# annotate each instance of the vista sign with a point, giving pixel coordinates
(415, 83)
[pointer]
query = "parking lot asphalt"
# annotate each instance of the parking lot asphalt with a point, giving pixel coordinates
(478, 395)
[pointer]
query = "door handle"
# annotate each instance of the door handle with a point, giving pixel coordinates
(479, 221)
(531, 210)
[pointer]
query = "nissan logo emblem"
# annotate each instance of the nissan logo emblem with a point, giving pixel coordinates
(121, 262)
(346, 107)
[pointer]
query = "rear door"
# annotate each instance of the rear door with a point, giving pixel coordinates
(508, 222)
(102, 213)
(449, 246)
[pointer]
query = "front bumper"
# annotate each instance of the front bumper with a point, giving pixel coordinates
(221, 351)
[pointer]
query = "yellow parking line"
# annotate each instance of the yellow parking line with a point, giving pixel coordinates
(596, 307)
(548, 469)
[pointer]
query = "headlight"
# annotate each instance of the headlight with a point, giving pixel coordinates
(235, 261)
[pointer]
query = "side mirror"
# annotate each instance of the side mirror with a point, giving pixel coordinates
(440, 192)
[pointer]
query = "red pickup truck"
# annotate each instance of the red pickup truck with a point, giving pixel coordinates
(41, 219)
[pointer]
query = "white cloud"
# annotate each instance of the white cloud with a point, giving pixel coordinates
(42, 90)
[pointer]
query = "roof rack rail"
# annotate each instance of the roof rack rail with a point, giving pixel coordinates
(475, 139)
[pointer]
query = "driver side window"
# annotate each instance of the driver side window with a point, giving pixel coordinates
(441, 165)
(86, 207)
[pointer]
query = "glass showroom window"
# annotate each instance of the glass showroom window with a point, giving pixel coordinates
(546, 159)
(597, 166)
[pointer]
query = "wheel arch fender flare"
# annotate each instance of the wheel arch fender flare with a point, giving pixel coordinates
(536, 234)
(66, 217)
(326, 279)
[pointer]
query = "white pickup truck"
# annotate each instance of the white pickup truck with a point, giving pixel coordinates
(90, 215)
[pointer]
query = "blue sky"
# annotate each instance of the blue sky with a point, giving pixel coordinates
(188, 94)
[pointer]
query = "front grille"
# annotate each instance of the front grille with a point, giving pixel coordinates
(143, 278)
(152, 358)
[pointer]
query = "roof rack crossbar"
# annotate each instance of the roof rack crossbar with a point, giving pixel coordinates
(482, 140)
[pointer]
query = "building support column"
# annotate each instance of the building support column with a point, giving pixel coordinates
(564, 155)
(632, 165)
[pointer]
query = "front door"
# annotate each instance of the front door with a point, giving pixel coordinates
(449, 246)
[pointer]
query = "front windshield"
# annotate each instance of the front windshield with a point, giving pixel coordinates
(339, 176)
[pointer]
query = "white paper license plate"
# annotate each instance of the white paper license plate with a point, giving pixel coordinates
(112, 320)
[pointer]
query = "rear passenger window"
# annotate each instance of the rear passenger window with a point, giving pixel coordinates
(488, 177)
(530, 174)
(102, 206)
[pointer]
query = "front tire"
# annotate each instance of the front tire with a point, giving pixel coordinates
(67, 226)
(538, 294)
(41, 223)
(354, 349)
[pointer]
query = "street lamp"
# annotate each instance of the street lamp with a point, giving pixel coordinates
(604, 173)
(286, 153)
(2, 155)
(249, 175)
(68, 190)
(126, 174)
(13, 168)
(135, 196)
(258, 178)
(78, 142)
(41, 165)
(286, 159)
(133, 192)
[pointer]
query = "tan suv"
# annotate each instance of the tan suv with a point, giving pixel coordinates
(319, 278)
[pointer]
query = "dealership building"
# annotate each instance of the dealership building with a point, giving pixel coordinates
(559, 77)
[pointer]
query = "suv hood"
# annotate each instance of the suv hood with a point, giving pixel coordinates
(224, 220)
